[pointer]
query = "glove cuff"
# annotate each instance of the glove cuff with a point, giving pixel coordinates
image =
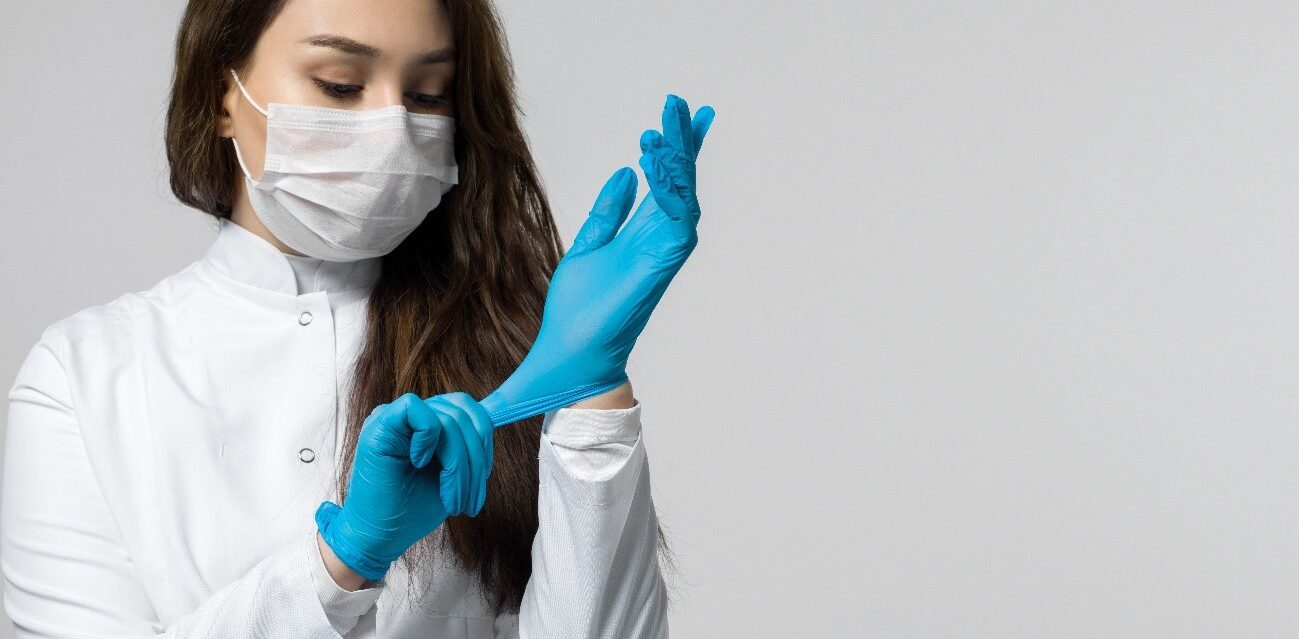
(513, 412)
(366, 564)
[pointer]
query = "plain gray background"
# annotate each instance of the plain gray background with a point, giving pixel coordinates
(992, 331)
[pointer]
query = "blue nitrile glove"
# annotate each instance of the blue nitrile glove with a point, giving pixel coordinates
(394, 498)
(604, 289)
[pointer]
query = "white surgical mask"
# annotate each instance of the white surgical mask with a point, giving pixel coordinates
(344, 185)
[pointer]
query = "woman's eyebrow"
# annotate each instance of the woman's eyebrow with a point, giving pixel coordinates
(348, 45)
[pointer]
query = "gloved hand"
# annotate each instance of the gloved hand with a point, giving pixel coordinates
(395, 498)
(604, 289)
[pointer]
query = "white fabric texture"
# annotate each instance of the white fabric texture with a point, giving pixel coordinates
(166, 450)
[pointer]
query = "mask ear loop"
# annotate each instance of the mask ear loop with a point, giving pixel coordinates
(245, 92)
(239, 156)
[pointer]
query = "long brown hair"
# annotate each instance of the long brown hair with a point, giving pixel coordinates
(458, 303)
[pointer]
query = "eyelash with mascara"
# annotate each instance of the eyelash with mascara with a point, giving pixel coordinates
(349, 91)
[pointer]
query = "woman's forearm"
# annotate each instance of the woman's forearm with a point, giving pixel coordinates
(596, 525)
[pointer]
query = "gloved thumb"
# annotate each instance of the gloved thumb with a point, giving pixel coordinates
(607, 215)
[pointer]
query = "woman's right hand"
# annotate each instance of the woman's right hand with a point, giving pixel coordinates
(395, 497)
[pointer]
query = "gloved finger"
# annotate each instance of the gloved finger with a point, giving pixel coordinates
(700, 124)
(460, 488)
(386, 430)
(373, 412)
(473, 446)
(482, 422)
(427, 427)
(680, 171)
(676, 126)
(663, 187)
(456, 476)
(650, 206)
(478, 416)
(610, 209)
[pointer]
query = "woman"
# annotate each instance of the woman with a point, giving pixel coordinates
(247, 448)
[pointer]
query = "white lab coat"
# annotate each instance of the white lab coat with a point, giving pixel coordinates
(165, 453)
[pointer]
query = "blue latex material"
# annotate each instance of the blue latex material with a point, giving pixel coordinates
(607, 284)
(396, 497)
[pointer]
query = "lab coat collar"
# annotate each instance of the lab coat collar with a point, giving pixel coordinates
(245, 256)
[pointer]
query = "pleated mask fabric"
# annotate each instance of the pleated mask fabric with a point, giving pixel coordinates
(344, 185)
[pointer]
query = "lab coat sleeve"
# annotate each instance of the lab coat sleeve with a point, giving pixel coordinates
(595, 570)
(68, 574)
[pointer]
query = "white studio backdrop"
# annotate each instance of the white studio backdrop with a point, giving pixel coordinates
(992, 331)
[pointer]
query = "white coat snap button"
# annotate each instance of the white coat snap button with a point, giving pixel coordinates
(304, 318)
(306, 455)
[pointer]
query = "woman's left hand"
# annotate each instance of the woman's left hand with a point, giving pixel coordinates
(604, 289)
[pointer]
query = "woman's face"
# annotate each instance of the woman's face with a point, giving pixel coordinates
(345, 54)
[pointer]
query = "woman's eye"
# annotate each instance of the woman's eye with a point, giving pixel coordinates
(427, 100)
(341, 91)
(349, 91)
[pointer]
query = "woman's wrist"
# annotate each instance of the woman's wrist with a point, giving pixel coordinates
(620, 397)
(345, 577)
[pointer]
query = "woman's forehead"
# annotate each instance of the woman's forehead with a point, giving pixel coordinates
(387, 30)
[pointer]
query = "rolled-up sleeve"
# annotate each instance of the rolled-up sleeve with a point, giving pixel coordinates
(66, 570)
(595, 570)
